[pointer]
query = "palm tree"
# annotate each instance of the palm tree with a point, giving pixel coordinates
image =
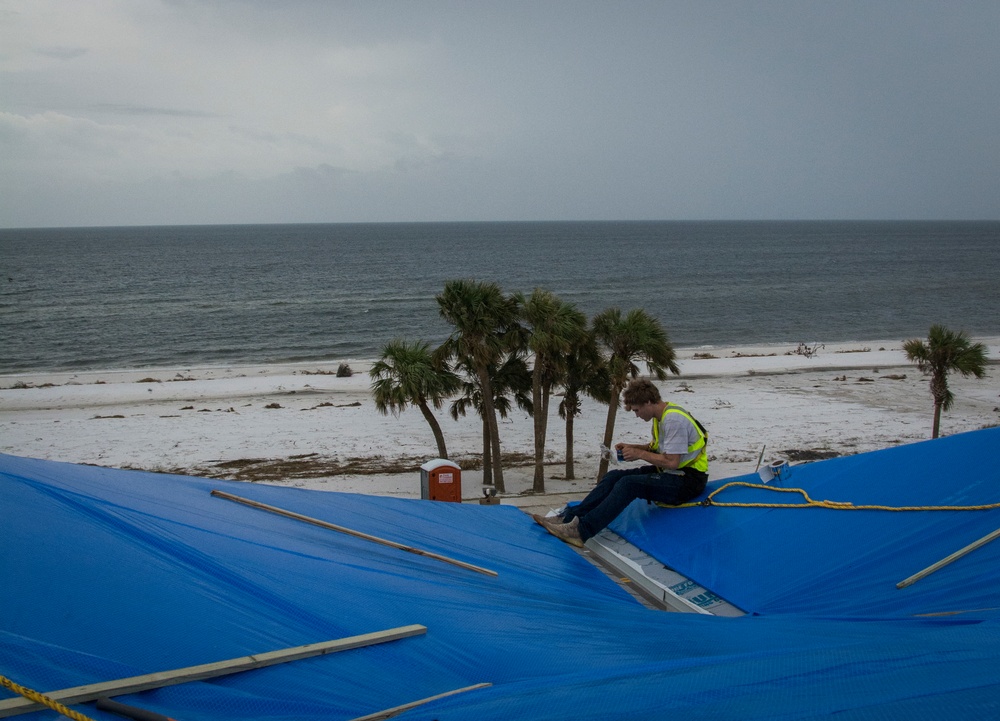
(484, 320)
(406, 374)
(945, 351)
(511, 379)
(587, 374)
(628, 340)
(555, 327)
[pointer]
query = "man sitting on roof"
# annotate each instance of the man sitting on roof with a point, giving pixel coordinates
(678, 474)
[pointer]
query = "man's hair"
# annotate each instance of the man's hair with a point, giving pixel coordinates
(640, 392)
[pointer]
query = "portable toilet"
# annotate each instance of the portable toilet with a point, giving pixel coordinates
(441, 480)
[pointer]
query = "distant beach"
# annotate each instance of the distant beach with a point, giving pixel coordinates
(301, 425)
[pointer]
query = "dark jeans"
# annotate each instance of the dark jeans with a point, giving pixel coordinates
(619, 488)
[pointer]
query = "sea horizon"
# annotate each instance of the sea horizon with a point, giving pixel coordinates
(101, 297)
(102, 226)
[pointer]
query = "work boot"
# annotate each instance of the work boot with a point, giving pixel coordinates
(547, 520)
(568, 532)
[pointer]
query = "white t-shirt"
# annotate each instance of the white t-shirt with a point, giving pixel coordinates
(677, 434)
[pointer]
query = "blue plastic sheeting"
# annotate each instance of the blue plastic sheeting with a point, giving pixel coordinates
(844, 563)
(107, 574)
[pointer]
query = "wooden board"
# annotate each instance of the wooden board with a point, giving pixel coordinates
(350, 532)
(135, 684)
(396, 710)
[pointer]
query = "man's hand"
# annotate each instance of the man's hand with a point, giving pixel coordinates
(632, 452)
(635, 453)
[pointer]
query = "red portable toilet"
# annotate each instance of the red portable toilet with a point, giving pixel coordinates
(441, 480)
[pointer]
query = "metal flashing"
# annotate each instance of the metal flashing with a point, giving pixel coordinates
(670, 590)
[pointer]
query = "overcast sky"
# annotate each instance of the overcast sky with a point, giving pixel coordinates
(120, 112)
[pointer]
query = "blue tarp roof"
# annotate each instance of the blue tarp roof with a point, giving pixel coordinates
(108, 574)
(844, 563)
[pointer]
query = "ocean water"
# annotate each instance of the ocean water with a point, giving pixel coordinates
(104, 298)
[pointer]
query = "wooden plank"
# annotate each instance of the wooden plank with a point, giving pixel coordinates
(396, 710)
(948, 559)
(146, 682)
(350, 532)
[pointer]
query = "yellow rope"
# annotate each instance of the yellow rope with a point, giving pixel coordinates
(810, 503)
(42, 699)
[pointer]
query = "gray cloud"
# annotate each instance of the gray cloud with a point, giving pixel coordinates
(125, 109)
(61, 53)
(203, 112)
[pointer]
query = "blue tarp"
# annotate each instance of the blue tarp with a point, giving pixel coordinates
(107, 574)
(844, 563)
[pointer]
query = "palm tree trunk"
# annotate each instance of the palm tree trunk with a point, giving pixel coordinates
(490, 412)
(570, 462)
(487, 455)
(939, 391)
(538, 485)
(435, 428)
(609, 429)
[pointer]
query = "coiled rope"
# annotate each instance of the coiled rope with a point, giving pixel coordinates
(42, 699)
(811, 503)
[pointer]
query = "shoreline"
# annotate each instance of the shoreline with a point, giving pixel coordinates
(301, 425)
(764, 348)
(229, 370)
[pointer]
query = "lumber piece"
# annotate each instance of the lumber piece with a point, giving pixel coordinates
(396, 710)
(136, 714)
(350, 532)
(948, 559)
(160, 679)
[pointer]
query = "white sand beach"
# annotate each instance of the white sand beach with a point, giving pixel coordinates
(301, 425)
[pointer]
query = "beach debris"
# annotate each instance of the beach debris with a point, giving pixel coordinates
(273, 405)
(808, 454)
(21, 385)
(807, 351)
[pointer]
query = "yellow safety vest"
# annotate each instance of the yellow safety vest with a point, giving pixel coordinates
(699, 462)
